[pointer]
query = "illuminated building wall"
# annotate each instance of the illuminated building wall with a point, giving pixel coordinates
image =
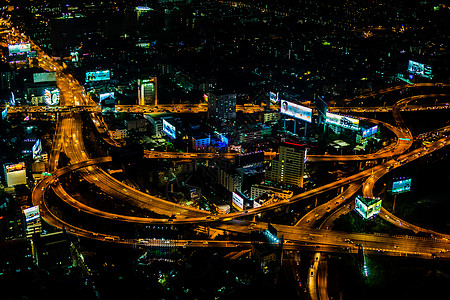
(289, 166)
(221, 108)
(367, 207)
(147, 91)
(259, 189)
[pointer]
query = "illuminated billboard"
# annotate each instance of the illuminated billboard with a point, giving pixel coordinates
(19, 48)
(370, 131)
(31, 54)
(98, 75)
(296, 111)
(51, 96)
(15, 174)
(143, 8)
(367, 207)
(31, 213)
(237, 201)
(37, 149)
(169, 129)
(422, 70)
(342, 121)
(273, 97)
(401, 186)
(44, 77)
(107, 98)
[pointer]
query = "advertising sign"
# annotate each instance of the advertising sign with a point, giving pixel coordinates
(37, 149)
(143, 8)
(15, 174)
(296, 111)
(98, 75)
(367, 207)
(169, 129)
(237, 201)
(31, 213)
(14, 167)
(422, 70)
(342, 121)
(107, 98)
(401, 186)
(51, 96)
(44, 77)
(370, 131)
(31, 54)
(19, 48)
(273, 97)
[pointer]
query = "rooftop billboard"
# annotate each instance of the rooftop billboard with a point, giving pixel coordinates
(367, 207)
(44, 77)
(169, 129)
(296, 111)
(31, 213)
(15, 174)
(401, 186)
(19, 48)
(237, 201)
(37, 149)
(420, 69)
(370, 131)
(98, 75)
(342, 121)
(51, 96)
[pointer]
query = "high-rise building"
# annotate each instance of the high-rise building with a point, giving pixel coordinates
(289, 166)
(7, 77)
(221, 108)
(147, 91)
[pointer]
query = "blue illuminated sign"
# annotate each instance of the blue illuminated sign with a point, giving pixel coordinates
(401, 186)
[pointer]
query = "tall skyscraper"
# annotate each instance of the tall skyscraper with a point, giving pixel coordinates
(289, 166)
(147, 91)
(221, 108)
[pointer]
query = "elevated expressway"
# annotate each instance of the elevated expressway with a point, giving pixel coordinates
(227, 217)
(68, 139)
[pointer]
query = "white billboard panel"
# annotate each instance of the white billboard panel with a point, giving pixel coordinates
(31, 213)
(51, 96)
(104, 96)
(169, 129)
(44, 77)
(19, 48)
(238, 201)
(296, 111)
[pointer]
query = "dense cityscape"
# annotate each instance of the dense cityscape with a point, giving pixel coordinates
(202, 149)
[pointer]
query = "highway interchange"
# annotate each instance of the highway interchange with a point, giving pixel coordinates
(311, 232)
